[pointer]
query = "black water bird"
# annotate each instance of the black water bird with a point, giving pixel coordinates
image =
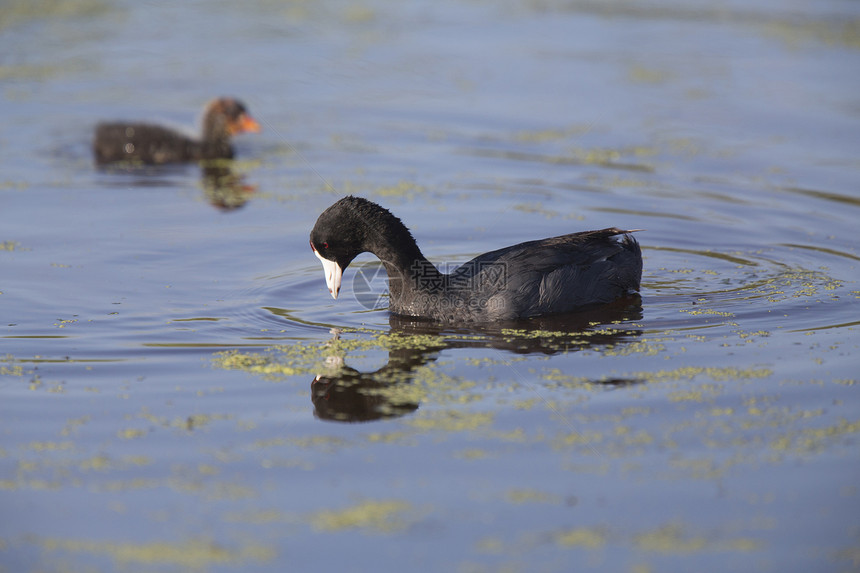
(536, 278)
(153, 144)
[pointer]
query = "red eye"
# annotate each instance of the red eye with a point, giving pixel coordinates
(325, 245)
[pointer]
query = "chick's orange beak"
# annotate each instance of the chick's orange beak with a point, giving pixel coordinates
(246, 123)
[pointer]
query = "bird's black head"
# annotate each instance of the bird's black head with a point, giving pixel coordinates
(338, 237)
(227, 116)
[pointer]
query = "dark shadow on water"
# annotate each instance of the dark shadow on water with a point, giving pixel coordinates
(223, 188)
(354, 396)
(545, 335)
(127, 174)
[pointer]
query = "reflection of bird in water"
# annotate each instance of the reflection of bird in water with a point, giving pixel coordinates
(545, 334)
(353, 396)
(153, 144)
(225, 189)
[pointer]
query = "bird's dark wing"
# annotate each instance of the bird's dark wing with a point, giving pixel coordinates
(553, 275)
(142, 142)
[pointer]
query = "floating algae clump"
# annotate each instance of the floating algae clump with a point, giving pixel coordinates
(194, 554)
(314, 357)
(384, 516)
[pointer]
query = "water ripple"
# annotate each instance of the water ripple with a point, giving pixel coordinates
(713, 288)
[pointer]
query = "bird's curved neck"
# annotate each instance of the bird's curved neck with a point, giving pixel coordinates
(215, 130)
(409, 271)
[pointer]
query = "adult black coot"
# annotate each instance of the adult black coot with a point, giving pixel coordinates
(536, 278)
(153, 144)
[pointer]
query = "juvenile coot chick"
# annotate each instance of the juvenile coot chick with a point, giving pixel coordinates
(536, 278)
(153, 144)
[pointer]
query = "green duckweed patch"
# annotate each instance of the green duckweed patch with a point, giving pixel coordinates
(719, 373)
(674, 539)
(560, 379)
(521, 496)
(315, 357)
(842, 32)
(12, 369)
(404, 189)
(537, 208)
(797, 283)
(649, 75)
(545, 135)
(383, 516)
(812, 439)
(194, 554)
(581, 537)
(18, 11)
(452, 421)
(666, 539)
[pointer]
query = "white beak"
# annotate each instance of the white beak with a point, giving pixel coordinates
(333, 274)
